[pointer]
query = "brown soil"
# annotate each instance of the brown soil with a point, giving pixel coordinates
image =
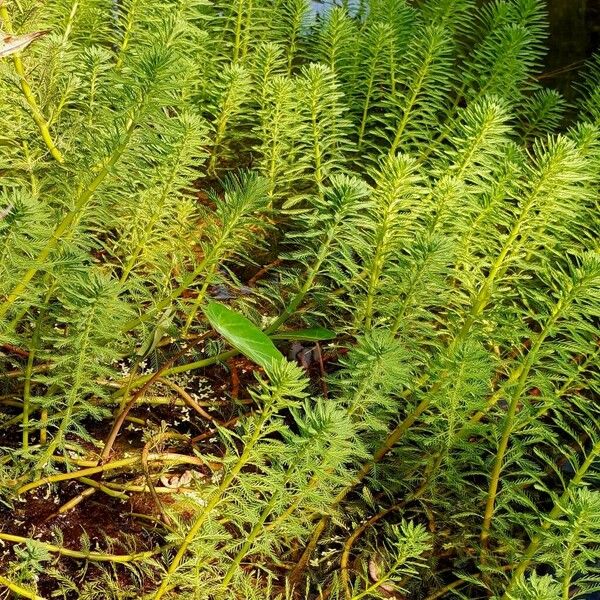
(120, 526)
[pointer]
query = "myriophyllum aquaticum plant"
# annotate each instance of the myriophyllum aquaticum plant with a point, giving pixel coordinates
(312, 298)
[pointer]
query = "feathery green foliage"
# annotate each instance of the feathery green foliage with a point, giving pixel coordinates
(389, 169)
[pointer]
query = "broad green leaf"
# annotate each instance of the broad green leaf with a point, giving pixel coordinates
(312, 334)
(243, 335)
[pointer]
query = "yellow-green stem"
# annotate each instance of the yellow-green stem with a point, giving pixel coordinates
(556, 512)
(93, 556)
(19, 590)
(409, 106)
(247, 29)
(509, 424)
(36, 113)
(199, 299)
(125, 462)
(213, 501)
(238, 30)
(254, 533)
(126, 34)
(64, 226)
(365, 114)
(111, 466)
(27, 394)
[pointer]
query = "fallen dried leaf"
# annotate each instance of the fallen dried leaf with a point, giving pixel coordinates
(11, 44)
(375, 575)
(177, 481)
